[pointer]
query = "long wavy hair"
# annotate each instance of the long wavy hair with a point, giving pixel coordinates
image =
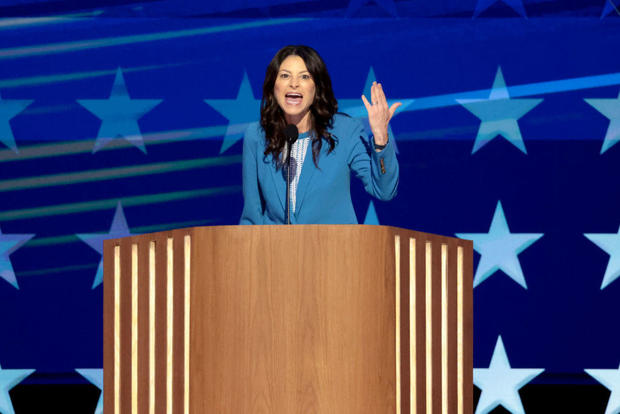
(322, 110)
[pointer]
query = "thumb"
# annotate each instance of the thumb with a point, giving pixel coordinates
(393, 108)
(366, 103)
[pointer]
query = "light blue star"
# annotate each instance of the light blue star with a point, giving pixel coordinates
(356, 108)
(499, 114)
(610, 242)
(610, 378)
(119, 114)
(118, 229)
(240, 112)
(609, 7)
(8, 244)
(516, 5)
(371, 215)
(611, 109)
(9, 109)
(8, 379)
(499, 249)
(387, 5)
(95, 376)
(500, 383)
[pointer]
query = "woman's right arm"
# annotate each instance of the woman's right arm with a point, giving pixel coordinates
(252, 201)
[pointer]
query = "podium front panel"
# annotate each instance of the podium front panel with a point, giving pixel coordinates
(288, 319)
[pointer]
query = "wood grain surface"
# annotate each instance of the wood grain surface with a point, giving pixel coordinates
(293, 319)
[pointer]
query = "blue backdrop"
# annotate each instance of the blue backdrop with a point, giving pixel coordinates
(127, 117)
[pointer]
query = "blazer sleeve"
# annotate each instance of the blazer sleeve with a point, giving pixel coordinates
(253, 207)
(377, 170)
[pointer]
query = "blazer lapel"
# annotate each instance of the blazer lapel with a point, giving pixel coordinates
(279, 183)
(308, 171)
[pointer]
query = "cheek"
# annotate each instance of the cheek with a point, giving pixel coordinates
(310, 92)
(312, 95)
(277, 88)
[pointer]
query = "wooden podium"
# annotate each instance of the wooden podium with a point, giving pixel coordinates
(317, 319)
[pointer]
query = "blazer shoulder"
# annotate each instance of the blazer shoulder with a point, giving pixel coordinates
(254, 131)
(347, 130)
(254, 135)
(344, 125)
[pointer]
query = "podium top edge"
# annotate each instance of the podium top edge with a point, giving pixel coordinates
(402, 232)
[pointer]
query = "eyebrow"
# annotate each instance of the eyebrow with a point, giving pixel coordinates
(284, 70)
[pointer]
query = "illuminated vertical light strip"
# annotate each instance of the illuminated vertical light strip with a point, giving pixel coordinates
(152, 327)
(397, 301)
(134, 328)
(429, 329)
(460, 368)
(186, 320)
(444, 328)
(117, 329)
(169, 322)
(413, 385)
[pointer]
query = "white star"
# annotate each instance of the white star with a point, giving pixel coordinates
(610, 5)
(371, 215)
(516, 5)
(8, 244)
(610, 378)
(119, 114)
(240, 112)
(119, 228)
(499, 114)
(610, 242)
(356, 109)
(499, 249)
(500, 383)
(8, 110)
(95, 376)
(611, 109)
(8, 379)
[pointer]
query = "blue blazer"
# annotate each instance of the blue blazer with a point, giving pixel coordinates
(323, 193)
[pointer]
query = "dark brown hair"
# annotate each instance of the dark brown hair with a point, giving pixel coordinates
(322, 109)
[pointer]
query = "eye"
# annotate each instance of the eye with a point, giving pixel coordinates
(283, 75)
(306, 77)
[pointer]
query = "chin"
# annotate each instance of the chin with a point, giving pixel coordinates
(288, 111)
(296, 112)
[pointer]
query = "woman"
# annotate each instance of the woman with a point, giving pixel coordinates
(297, 90)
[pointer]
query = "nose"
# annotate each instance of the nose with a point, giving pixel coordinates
(294, 82)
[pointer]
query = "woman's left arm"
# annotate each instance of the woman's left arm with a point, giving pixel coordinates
(378, 169)
(374, 161)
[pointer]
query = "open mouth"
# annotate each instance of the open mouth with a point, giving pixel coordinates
(293, 98)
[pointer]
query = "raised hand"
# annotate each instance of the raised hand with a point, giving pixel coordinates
(379, 114)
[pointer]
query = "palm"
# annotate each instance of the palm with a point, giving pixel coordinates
(379, 114)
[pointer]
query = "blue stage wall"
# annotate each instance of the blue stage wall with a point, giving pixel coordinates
(127, 117)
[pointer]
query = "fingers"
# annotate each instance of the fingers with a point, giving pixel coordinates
(378, 100)
(393, 108)
(381, 96)
(373, 93)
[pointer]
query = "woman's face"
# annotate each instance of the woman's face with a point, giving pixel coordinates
(294, 89)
